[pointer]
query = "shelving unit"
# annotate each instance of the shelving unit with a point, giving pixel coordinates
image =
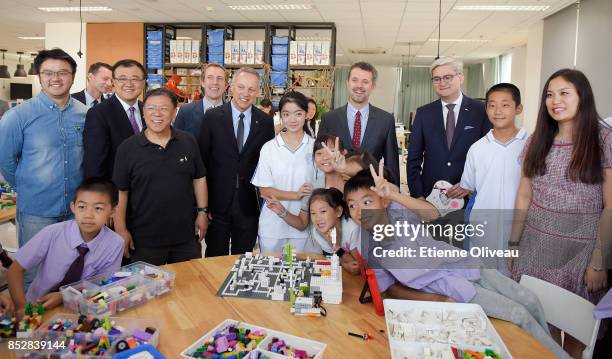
(315, 81)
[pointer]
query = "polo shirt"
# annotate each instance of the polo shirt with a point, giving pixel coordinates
(286, 170)
(161, 208)
(493, 170)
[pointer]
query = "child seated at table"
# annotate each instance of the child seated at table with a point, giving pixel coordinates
(69, 251)
(332, 231)
(450, 279)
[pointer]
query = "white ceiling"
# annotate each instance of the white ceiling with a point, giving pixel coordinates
(359, 23)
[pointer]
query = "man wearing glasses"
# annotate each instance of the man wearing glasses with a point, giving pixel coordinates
(41, 150)
(443, 131)
(111, 122)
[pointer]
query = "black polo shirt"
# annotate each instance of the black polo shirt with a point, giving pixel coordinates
(161, 207)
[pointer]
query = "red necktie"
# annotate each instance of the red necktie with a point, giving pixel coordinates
(357, 132)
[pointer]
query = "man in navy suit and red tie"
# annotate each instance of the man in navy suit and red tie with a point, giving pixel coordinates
(443, 131)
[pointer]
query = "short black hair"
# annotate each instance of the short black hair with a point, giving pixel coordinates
(54, 54)
(295, 97)
(265, 103)
(161, 91)
(332, 196)
(95, 67)
(362, 180)
(506, 87)
(129, 63)
(99, 185)
(329, 140)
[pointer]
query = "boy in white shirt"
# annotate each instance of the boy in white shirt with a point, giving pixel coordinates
(493, 171)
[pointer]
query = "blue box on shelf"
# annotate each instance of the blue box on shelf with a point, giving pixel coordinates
(280, 49)
(280, 40)
(215, 37)
(215, 49)
(278, 79)
(279, 62)
(215, 58)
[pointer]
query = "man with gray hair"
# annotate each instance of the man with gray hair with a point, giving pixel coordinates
(443, 131)
(231, 137)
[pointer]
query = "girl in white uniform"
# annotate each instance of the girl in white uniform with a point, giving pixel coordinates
(284, 177)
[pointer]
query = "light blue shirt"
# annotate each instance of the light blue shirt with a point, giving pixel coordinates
(247, 121)
(41, 154)
(206, 104)
(350, 117)
(89, 99)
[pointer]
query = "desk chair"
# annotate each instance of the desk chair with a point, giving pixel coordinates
(581, 324)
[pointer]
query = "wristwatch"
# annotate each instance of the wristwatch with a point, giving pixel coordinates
(203, 209)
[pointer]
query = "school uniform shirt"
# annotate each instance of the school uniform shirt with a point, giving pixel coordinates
(281, 168)
(350, 237)
(161, 208)
(54, 249)
(492, 169)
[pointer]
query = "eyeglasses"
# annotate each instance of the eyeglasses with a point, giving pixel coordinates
(124, 80)
(162, 109)
(445, 78)
(50, 74)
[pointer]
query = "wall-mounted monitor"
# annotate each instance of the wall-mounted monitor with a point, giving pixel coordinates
(21, 91)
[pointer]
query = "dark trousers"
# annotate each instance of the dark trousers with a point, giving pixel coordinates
(240, 227)
(168, 254)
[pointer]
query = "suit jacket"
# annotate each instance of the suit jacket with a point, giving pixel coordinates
(189, 118)
(428, 147)
(379, 137)
(80, 96)
(223, 163)
(106, 126)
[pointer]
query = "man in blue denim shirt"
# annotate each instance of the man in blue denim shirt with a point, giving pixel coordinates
(41, 152)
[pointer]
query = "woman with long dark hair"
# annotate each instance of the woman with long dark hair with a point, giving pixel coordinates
(565, 193)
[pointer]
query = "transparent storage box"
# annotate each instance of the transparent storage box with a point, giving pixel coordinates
(141, 282)
(129, 325)
(313, 348)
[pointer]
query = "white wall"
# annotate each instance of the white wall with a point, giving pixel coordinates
(385, 95)
(66, 37)
(533, 69)
(11, 61)
(518, 74)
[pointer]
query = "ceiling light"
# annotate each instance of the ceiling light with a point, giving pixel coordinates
(31, 37)
(4, 74)
(459, 40)
(271, 7)
(75, 9)
(20, 71)
(32, 70)
(502, 7)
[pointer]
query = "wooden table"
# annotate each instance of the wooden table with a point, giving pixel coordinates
(8, 214)
(192, 309)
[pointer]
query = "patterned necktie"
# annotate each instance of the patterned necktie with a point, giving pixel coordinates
(450, 124)
(240, 132)
(133, 120)
(76, 269)
(357, 132)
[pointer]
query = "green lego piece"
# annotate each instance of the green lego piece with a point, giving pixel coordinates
(39, 309)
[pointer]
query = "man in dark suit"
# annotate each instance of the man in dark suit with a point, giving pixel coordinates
(214, 83)
(99, 78)
(108, 124)
(443, 131)
(361, 126)
(230, 140)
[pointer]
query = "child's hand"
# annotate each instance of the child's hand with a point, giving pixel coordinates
(305, 190)
(338, 160)
(6, 304)
(50, 300)
(595, 280)
(128, 242)
(456, 191)
(382, 187)
(274, 204)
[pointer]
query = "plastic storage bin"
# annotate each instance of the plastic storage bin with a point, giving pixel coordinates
(280, 49)
(129, 326)
(278, 79)
(131, 286)
(280, 40)
(313, 348)
(215, 59)
(215, 49)
(279, 62)
(215, 37)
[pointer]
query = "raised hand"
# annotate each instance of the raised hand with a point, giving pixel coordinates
(382, 187)
(305, 190)
(274, 204)
(338, 161)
